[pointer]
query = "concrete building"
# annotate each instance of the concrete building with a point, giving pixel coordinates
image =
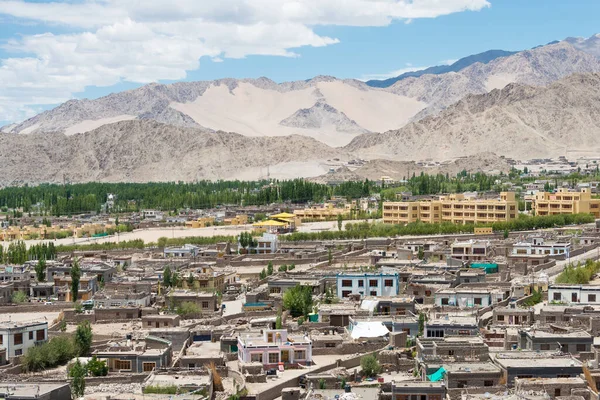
(441, 327)
(280, 285)
(468, 297)
(208, 302)
(471, 250)
(273, 347)
(537, 246)
(17, 337)
(317, 213)
(512, 315)
(574, 294)
(565, 202)
(160, 321)
(185, 251)
(455, 208)
(136, 356)
(575, 342)
(38, 391)
(268, 243)
(409, 390)
(367, 284)
(536, 364)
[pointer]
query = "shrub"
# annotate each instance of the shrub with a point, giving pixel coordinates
(370, 366)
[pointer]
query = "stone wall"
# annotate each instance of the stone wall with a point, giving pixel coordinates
(347, 348)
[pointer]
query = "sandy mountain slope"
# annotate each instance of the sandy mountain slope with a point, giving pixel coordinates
(539, 66)
(590, 45)
(251, 107)
(139, 151)
(322, 116)
(519, 121)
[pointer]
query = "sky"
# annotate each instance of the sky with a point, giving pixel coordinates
(54, 51)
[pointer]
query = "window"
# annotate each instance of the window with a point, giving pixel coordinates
(270, 337)
(591, 298)
(346, 293)
(149, 323)
(40, 334)
(256, 357)
(1, 340)
(461, 384)
(373, 283)
(299, 355)
(389, 283)
(450, 352)
(545, 346)
(581, 347)
(574, 297)
(123, 365)
(347, 283)
(19, 352)
(556, 392)
(500, 317)
(373, 293)
(445, 301)
(18, 339)
(477, 301)
(273, 358)
(205, 305)
(30, 335)
(551, 319)
(556, 296)
(361, 283)
(148, 366)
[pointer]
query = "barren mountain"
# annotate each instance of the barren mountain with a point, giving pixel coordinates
(261, 107)
(140, 151)
(590, 45)
(539, 66)
(322, 116)
(519, 121)
(251, 107)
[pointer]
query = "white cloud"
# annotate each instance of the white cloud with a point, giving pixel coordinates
(116, 40)
(391, 74)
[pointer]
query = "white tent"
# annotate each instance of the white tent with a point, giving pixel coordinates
(368, 329)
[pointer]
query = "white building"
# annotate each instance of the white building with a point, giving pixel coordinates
(152, 214)
(574, 294)
(468, 297)
(538, 246)
(187, 250)
(471, 250)
(17, 337)
(268, 243)
(368, 284)
(273, 347)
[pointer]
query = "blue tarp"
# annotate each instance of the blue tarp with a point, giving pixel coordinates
(437, 375)
(488, 267)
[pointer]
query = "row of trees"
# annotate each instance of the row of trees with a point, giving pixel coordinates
(17, 252)
(365, 230)
(87, 197)
(580, 274)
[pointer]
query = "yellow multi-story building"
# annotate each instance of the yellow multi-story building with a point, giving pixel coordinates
(453, 208)
(318, 213)
(565, 202)
(201, 222)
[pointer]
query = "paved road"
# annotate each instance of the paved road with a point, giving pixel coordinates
(560, 265)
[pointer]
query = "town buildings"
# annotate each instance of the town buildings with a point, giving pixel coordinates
(455, 208)
(565, 202)
(273, 347)
(367, 284)
(18, 337)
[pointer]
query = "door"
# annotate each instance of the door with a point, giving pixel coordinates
(285, 356)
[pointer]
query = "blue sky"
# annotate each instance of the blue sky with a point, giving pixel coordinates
(50, 52)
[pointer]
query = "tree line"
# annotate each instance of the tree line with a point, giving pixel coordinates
(59, 200)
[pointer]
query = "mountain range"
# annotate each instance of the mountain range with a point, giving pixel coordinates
(534, 103)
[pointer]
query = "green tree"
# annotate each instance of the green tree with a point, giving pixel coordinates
(422, 320)
(96, 367)
(421, 253)
(19, 297)
(83, 338)
(190, 280)
(278, 322)
(167, 277)
(282, 268)
(162, 242)
(189, 309)
(370, 366)
(298, 300)
(270, 268)
(77, 374)
(40, 270)
(75, 277)
(505, 234)
(263, 274)
(340, 220)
